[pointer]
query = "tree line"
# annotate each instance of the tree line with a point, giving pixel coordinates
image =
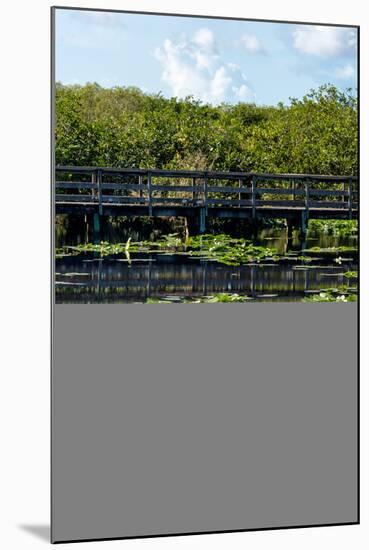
(125, 127)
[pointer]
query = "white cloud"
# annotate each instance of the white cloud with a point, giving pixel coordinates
(243, 92)
(193, 67)
(324, 41)
(219, 84)
(345, 73)
(252, 43)
(204, 38)
(204, 49)
(181, 77)
(241, 87)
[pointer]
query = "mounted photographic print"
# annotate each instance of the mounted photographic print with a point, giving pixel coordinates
(217, 163)
(202, 160)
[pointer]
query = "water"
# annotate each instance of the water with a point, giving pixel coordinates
(86, 278)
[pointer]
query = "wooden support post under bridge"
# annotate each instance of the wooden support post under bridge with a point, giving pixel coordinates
(96, 228)
(196, 223)
(202, 228)
(303, 228)
(290, 228)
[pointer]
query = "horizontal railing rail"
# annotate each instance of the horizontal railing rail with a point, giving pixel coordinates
(206, 189)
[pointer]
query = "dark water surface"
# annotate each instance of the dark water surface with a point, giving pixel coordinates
(113, 279)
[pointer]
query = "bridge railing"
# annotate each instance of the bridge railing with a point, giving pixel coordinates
(206, 189)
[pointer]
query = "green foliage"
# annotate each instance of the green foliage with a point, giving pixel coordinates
(127, 128)
(350, 274)
(334, 250)
(336, 228)
(317, 134)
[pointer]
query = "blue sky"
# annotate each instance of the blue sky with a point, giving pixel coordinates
(212, 60)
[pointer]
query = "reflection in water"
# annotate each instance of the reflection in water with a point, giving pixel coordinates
(83, 278)
(87, 278)
(278, 239)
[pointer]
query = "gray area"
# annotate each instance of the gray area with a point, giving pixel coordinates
(181, 418)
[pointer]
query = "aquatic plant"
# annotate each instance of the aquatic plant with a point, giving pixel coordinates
(332, 249)
(331, 295)
(350, 274)
(222, 248)
(228, 250)
(224, 297)
(216, 298)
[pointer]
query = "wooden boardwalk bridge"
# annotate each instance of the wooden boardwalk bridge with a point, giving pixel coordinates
(199, 195)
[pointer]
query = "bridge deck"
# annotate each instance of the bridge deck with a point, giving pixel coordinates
(108, 209)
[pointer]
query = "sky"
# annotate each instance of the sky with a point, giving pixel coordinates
(212, 60)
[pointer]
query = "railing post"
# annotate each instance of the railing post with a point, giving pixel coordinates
(350, 198)
(307, 188)
(140, 182)
(99, 189)
(294, 188)
(149, 185)
(305, 216)
(193, 190)
(239, 194)
(94, 180)
(253, 195)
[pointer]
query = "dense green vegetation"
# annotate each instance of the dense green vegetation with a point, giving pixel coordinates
(127, 128)
(336, 228)
(222, 248)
